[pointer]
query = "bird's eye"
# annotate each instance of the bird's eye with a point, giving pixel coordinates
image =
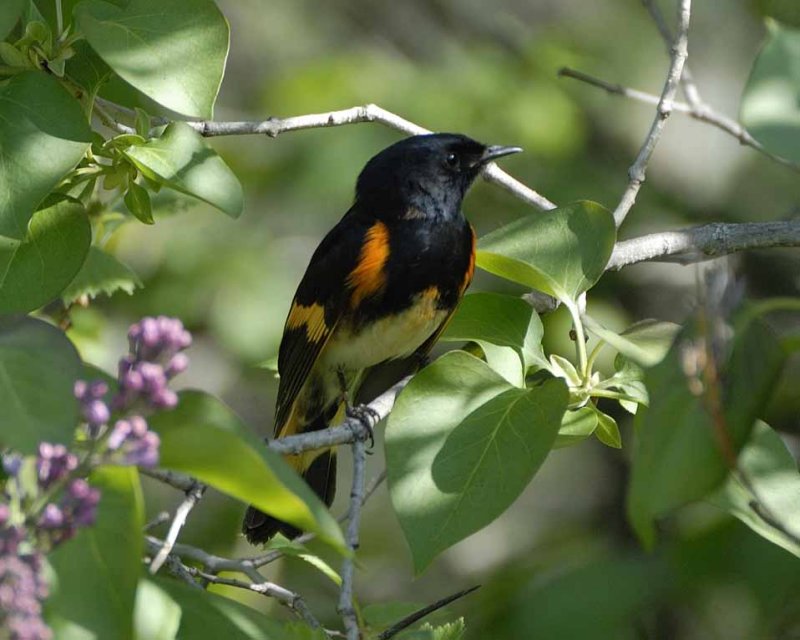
(451, 160)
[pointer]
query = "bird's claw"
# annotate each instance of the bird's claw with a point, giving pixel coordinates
(367, 416)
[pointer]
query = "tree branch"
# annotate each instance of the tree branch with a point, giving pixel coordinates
(707, 241)
(346, 608)
(193, 496)
(698, 110)
(638, 170)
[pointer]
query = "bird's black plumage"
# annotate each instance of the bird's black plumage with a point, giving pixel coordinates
(381, 285)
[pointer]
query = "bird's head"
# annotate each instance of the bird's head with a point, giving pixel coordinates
(428, 174)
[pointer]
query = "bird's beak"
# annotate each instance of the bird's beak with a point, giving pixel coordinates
(496, 151)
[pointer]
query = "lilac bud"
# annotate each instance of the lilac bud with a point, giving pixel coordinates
(164, 398)
(119, 434)
(52, 517)
(53, 463)
(81, 502)
(12, 463)
(177, 364)
(96, 412)
(98, 389)
(150, 334)
(138, 426)
(153, 376)
(132, 381)
(125, 365)
(79, 389)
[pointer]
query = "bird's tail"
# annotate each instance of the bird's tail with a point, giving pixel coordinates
(317, 468)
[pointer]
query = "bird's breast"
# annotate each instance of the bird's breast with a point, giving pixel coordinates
(355, 345)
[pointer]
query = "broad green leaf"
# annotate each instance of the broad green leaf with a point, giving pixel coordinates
(576, 425)
(501, 320)
(561, 252)
(505, 361)
(204, 438)
(38, 368)
(10, 11)
(678, 458)
(786, 11)
(771, 471)
(156, 616)
(645, 342)
(87, 69)
(182, 160)
(97, 571)
(770, 108)
(208, 615)
(43, 134)
(461, 444)
(38, 268)
(102, 273)
(560, 367)
(174, 52)
(628, 378)
(607, 430)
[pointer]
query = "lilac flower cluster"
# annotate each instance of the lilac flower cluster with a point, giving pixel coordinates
(155, 358)
(22, 590)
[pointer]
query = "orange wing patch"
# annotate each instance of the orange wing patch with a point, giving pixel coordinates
(471, 266)
(368, 277)
(311, 317)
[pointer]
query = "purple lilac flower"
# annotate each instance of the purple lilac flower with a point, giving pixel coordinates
(133, 443)
(53, 463)
(155, 358)
(93, 408)
(80, 503)
(22, 589)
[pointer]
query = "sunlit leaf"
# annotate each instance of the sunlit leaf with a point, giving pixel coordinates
(182, 160)
(561, 252)
(607, 430)
(156, 616)
(576, 425)
(772, 483)
(174, 52)
(645, 342)
(205, 439)
(461, 445)
(43, 134)
(770, 106)
(38, 368)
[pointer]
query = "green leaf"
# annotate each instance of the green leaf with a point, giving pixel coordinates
(677, 458)
(156, 616)
(102, 273)
(43, 134)
(87, 69)
(204, 438)
(607, 430)
(629, 379)
(181, 160)
(575, 426)
(138, 202)
(295, 549)
(454, 630)
(772, 472)
(461, 445)
(97, 571)
(173, 52)
(645, 342)
(770, 108)
(9, 14)
(208, 615)
(561, 252)
(35, 270)
(501, 320)
(38, 368)
(786, 11)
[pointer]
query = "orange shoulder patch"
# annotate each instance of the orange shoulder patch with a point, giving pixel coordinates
(368, 276)
(311, 317)
(471, 266)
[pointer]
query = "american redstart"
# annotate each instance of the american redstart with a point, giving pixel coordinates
(381, 285)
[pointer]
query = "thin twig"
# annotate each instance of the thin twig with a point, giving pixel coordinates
(350, 430)
(161, 518)
(193, 496)
(700, 111)
(638, 170)
(176, 479)
(346, 607)
(410, 619)
(707, 241)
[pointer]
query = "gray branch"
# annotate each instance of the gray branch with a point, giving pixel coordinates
(707, 241)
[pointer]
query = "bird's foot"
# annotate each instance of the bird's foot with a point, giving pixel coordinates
(367, 416)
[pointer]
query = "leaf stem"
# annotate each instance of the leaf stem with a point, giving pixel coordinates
(580, 342)
(613, 395)
(59, 18)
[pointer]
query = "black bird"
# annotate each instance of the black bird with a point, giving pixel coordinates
(381, 285)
